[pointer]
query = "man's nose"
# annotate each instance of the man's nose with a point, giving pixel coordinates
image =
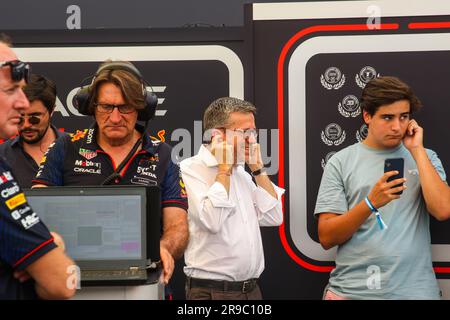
(115, 115)
(396, 124)
(25, 122)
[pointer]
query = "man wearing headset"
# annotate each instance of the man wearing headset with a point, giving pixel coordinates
(117, 150)
(35, 131)
(27, 249)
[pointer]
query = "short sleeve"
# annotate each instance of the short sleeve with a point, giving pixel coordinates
(23, 237)
(437, 164)
(173, 192)
(331, 197)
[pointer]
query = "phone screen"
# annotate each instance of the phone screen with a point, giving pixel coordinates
(396, 164)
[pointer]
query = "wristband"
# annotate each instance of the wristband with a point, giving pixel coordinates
(370, 205)
(380, 221)
(258, 172)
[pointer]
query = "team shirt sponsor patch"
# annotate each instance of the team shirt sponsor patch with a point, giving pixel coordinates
(8, 192)
(85, 166)
(27, 221)
(147, 171)
(88, 154)
(16, 201)
(183, 193)
(78, 135)
(143, 181)
(5, 177)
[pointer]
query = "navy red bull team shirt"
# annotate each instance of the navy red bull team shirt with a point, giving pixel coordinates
(23, 237)
(77, 159)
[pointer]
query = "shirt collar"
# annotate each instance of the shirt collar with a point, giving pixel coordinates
(207, 157)
(17, 141)
(149, 145)
(57, 132)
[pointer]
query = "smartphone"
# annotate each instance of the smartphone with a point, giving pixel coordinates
(396, 164)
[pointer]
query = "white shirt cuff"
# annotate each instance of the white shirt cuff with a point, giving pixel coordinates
(265, 201)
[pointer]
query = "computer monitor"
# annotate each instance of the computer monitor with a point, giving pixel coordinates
(112, 232)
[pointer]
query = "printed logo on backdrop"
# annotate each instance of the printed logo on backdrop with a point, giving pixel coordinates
(361, 134)
(333, 135)
(327, 158)
(332, 78)
(349, 107)
(365, 75)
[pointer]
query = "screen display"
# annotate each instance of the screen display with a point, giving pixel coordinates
(94, 227)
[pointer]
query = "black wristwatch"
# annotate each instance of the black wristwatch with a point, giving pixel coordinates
(258, 172)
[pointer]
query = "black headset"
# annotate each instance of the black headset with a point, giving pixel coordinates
(83, 96)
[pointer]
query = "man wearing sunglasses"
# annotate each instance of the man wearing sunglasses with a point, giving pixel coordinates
(35, 131)
(27, 248)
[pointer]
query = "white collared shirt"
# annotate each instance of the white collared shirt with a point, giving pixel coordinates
(224, 236)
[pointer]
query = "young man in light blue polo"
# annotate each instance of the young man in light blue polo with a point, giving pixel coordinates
(383, 237)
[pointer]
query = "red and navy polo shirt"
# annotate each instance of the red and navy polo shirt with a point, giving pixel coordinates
(77, 159)
(22, 164)
(23, 237)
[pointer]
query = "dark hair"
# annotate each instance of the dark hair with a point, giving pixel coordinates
(218, 112)
(42, 89)
(387, 90)
(131, 87)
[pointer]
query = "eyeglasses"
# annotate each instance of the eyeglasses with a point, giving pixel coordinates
(32, 119)
(19, 69)
(245, 133)
(108, 108)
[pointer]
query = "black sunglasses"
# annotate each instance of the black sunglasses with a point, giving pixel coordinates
(19, 69)
(31, 119)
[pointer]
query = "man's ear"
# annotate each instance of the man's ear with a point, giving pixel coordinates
(217, 132)
(366, 117)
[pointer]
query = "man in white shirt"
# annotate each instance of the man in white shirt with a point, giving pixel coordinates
(224, 257)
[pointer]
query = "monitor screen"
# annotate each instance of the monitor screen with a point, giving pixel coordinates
(94, 226)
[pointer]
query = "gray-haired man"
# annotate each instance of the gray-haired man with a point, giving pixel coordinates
(225, 256)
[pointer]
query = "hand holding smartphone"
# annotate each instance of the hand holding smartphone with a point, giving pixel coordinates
(395, 164)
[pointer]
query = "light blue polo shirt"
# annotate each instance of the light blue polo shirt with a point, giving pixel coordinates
(394, 263)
